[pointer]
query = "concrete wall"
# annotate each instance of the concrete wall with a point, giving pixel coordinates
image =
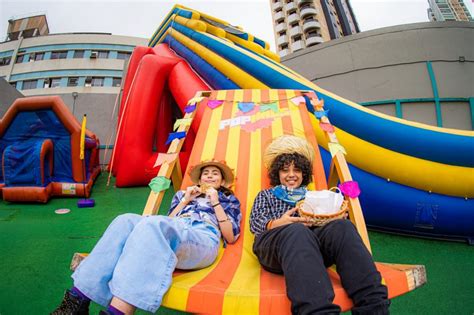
(391, 63)
(8, 95)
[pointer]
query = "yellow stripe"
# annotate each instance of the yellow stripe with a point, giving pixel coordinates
(247, 275)
(177, 295)
(403, 169)
(209, 147)
(296, 121)
(241, 78)
(232, 150)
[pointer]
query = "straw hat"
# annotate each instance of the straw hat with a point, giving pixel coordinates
(287, 144)
(226, 171)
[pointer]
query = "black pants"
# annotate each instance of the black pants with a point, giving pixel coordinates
(302, 255)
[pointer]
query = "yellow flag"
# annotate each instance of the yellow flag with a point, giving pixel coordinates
(83, 136)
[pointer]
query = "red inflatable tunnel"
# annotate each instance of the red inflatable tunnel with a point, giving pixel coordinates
(157, 87)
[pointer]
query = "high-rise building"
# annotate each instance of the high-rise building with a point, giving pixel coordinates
(303, 23)
(448, 10)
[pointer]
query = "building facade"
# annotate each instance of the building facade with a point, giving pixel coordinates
(421, 72)
(298, 24)
(448, 10)
(84, 69)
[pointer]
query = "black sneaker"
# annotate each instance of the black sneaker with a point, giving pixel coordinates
(72, 305)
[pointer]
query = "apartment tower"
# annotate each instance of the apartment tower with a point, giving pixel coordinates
(303, 23)
(448, 10)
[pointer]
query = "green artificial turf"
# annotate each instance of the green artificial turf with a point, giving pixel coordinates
(36, 247)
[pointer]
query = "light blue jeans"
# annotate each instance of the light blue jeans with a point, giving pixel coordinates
(135, 258)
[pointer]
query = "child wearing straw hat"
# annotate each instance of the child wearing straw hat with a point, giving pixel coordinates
(132, 264)
(287, 244)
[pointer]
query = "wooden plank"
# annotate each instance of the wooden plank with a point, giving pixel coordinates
(170, 170)
(339, 172)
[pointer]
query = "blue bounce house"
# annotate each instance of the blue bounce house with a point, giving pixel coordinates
(40, 149)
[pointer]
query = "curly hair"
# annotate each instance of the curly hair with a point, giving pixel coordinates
(286, 159)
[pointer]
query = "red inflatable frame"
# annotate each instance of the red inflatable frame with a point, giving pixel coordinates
(158, 84)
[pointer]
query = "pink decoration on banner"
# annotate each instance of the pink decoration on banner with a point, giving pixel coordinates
(298, 100)
(326, 127)
(165, 157)
(212, 104)
(250, 113)
(350, 189)
(259, 124)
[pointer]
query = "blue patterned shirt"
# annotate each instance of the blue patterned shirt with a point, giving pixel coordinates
(201, 209)
(266, 207)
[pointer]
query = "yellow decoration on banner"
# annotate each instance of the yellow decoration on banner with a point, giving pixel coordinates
(183, 121)
(195, 100)
(334, 148)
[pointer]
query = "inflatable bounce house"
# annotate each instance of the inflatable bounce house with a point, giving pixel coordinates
(40, 149)
(415, 179)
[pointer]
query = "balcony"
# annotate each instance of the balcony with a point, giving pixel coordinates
(310, 25)
(282, 40)
(314, 40)
(294, 31)
(308, 11)
(280, 27)
(283, 52)
(277, 5)
(280, 16)
(297, 46)
(301, 2)
(293, 18)
(290, 6)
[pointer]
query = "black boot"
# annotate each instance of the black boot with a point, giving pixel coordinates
(72, 304)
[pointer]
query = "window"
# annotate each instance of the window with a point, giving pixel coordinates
(283, 33)
(30, 84)
(283, 47)
(116, 82)
(20, 58)
(39, 56)
(103, 54)
(59, 54)
(78, 54)
(72, 81)
(52, 83)
(296, 38)
(94, 81)
(124, 55)
(13, 84)
(55, 82)
(5, 61)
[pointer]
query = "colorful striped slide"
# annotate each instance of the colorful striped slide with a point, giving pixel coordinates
(235, 283)
(426, 172)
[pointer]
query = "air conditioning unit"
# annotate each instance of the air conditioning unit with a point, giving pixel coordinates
(93, 55)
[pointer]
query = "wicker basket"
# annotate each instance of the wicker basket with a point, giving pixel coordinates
(322, 219)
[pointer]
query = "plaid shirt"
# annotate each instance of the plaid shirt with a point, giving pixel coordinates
(266, 207)
(201, 208)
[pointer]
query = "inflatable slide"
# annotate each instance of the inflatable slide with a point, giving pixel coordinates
(415, 178)
(40, 148)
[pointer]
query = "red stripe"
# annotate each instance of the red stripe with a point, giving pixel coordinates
(210, 290)
(286, 120)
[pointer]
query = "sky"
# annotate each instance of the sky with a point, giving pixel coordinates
(142, 17)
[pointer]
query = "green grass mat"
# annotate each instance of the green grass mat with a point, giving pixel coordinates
(36, 247)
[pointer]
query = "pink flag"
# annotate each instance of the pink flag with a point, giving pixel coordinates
(326, 127)
(165, 157)
(350, 189)
(212, 104)
(298, 100)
